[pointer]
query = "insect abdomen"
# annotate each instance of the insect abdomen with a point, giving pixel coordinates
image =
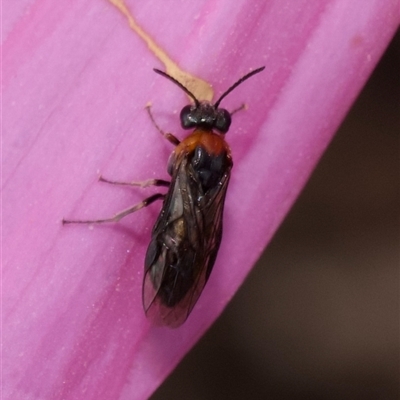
(187, 234)
(170, 260)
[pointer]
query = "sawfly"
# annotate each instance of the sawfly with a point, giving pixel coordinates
(187, 234)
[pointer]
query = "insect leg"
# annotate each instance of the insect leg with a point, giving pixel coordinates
(120, 215)
(143, 184)
(169, 136)
(242, 107)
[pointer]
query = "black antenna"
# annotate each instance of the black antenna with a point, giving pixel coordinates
(186, 90)
(235, 85)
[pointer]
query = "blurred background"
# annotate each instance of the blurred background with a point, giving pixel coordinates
(318, 317)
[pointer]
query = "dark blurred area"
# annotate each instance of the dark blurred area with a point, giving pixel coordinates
(318, 317)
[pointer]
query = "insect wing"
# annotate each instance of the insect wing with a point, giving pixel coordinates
(184, 246)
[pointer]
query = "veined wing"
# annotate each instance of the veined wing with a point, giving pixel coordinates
(184, 245)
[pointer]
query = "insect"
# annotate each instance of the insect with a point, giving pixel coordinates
(187, 234)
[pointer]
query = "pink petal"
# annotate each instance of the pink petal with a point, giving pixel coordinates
(75, 82)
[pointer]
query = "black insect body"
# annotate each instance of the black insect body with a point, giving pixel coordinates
(187, 234)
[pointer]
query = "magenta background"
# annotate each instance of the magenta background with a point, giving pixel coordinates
(75, 81)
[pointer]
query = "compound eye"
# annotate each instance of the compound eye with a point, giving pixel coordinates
(187, 120)
(223, 121)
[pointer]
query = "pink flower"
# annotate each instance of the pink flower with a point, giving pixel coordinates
(75, 83)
